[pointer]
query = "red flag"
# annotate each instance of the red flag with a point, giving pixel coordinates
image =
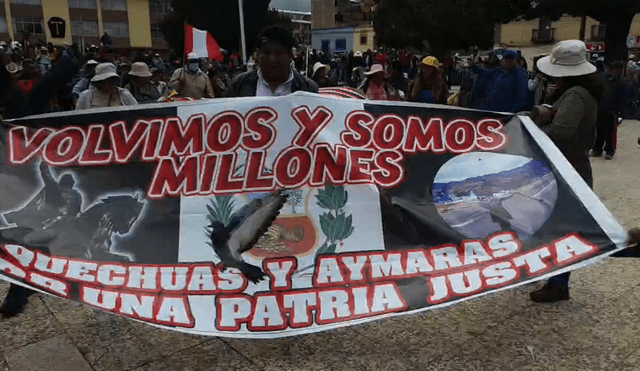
(201, 43)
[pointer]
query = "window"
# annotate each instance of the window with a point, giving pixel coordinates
(117, 29)
(27, 2)
(341, 45)
(3, 25)
(325, 46)
(159, 7)
(82, 4)
(363, 39)
(30, 24)
(84, 28)
(114, 5)
(156, 31)
(544, 29)
(339, 18)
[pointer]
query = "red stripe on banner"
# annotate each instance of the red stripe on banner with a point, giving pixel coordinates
(188, 38)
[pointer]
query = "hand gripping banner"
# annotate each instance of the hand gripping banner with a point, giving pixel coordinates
(264, 218)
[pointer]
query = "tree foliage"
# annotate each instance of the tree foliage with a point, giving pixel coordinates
(443, 24)
(275, 17)
(220, 17)
(447, 24)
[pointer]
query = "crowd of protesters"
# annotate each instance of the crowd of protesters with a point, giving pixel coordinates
(45, 78)
(583, 99)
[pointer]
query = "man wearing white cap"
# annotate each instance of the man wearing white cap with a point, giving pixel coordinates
(140, 85)
(106, 92)
(85, 83)
(190, 82)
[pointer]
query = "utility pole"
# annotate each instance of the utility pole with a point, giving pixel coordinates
(244, 39)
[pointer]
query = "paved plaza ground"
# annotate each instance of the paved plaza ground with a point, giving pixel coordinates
(598, 329)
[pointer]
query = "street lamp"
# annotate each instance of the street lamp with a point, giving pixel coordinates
(243, 41)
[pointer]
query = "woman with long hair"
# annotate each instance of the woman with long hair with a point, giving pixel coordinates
(429, 86)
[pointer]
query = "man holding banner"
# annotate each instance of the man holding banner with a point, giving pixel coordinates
(276, 76)
(391, 208)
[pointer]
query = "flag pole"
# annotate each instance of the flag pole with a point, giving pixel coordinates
(244, 40)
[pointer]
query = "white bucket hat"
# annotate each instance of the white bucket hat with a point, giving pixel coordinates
(140, 69)
(105, 71)
(568, 58)
(358, 54)
(192, 56)
(375, 69)
(319, 65)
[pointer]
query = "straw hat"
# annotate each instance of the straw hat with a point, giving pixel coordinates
(319, 65)
(431, 61)
(376, 68)
(568, 58)
(140, 69)
(105, 71)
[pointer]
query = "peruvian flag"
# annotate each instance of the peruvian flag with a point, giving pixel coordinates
(201, 43)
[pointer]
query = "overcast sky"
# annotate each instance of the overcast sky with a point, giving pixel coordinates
(296, 5)
(477, 164)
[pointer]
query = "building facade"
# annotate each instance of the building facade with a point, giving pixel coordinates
(342, 25)
(537, 37)
(131, 23)
(301, 25)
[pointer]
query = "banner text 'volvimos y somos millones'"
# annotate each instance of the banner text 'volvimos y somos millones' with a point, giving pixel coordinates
(269, 218)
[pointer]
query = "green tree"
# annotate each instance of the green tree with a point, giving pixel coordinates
(447, 24)
(443, 24)
(275, 17)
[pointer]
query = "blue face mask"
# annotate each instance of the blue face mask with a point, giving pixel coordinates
(193, 67)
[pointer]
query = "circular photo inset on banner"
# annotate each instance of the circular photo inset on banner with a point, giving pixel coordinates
(481, 193)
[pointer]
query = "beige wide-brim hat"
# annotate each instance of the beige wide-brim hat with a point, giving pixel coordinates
(105, 71)
(140, 69)
(319, 65)
(568, 58)
(376, 68)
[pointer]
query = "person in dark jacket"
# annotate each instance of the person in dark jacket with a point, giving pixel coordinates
(572, 129)
(15, 104)
(508, 85)
(609, 110)
(398, 80)
(275, 77)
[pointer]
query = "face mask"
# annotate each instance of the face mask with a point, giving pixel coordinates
(193, 67)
